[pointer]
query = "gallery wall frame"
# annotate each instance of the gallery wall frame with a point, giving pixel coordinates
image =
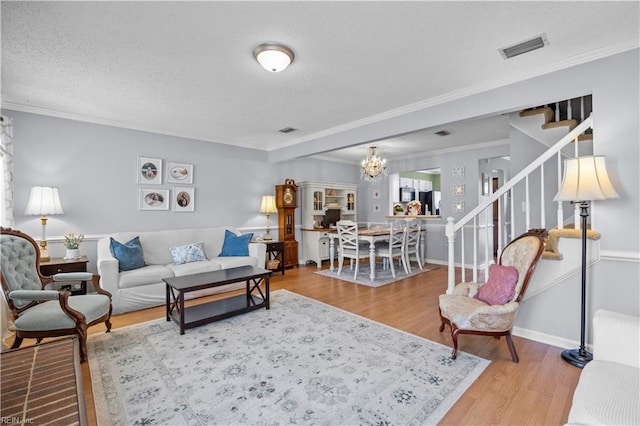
(181, 173)
(153, 199)
(183, 199)
(149, 171)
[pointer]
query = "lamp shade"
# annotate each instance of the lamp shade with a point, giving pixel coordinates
(268, 205)
(44, 201)
(273, 57)
(585, 179)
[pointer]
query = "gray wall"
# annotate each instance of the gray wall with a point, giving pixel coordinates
(94, 166)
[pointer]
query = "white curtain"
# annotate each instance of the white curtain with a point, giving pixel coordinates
(6, 151)
(6, 209)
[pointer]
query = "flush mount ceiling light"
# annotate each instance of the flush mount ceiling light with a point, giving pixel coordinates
(273, 57)
(374, 167)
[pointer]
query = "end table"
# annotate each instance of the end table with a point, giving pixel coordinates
(275, 251)
(56, 265)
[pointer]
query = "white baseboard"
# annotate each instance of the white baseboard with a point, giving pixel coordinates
(548, 339)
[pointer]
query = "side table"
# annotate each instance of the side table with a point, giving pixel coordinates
(275, 251)
(57, 265)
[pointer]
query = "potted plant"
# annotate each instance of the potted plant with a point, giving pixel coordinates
(72, 243)
(398, 209)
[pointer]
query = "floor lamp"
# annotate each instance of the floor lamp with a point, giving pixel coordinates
(585, 179)
(43, 201)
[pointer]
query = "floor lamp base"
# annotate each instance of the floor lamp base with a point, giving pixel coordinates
(576, 357)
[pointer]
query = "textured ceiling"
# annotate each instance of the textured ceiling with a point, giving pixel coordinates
(186, 68)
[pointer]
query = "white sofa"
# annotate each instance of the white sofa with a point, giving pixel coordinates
(608, 392)
(143, 288)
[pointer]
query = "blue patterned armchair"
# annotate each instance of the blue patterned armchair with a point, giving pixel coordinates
(38, 312)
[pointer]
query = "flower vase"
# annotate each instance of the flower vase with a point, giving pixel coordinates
(414, 211)
(72, 254)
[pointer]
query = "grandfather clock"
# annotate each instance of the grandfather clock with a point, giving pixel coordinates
(286, 203)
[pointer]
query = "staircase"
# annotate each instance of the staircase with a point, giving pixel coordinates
(469, 238)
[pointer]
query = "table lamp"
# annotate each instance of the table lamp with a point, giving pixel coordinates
(43, 201)
(585, 179)
(268, 207)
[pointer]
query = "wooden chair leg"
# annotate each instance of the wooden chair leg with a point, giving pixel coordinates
(454, 337)
(512, 348)
(16, 342)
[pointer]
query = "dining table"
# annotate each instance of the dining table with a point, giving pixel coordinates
(370, 235)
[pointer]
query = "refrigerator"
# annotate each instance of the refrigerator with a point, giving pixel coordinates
(430, 201)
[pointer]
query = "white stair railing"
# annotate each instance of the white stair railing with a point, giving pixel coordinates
(505, 197)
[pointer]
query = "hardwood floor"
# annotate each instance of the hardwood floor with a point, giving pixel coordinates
(536, 391)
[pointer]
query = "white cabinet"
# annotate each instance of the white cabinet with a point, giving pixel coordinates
(323, 204)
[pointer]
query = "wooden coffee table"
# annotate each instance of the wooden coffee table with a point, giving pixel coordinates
(192, 316)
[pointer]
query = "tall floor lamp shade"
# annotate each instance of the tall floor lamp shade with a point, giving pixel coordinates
(268, 207)
(44, 201)
(585, 179)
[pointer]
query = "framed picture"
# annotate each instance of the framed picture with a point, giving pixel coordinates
(458, 172)
(183, 199)
(376, 208)
(458, 206)
(179, 172)
(149, 171)
(154, 199)
(376, 194)
(458, 189)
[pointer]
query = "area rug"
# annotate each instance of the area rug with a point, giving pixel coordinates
(383, 276)
(301, 362)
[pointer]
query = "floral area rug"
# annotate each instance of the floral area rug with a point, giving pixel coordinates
(383, 276)
(301, 362)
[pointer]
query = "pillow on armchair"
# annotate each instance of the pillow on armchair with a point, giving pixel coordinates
(500, 287)
(235, 245)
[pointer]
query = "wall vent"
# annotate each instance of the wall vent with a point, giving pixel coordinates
(287, 130)
(525, 46)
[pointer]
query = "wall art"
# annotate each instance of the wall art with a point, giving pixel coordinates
(458, 189)
(179, 172)
(183, 199)
(154, 199)
(458, 206)
(376, 194)
(458, 172)
(376, 208)
(149, 171)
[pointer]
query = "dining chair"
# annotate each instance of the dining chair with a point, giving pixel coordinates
(349, 245)
(393, 248)
(411, 245)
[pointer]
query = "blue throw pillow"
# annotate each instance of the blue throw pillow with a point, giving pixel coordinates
(129, 254)
(235, 245)
(186, 254)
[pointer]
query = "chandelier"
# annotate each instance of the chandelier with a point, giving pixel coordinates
(374, 167)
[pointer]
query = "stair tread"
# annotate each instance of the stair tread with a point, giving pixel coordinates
(546, 111)
(555, 124)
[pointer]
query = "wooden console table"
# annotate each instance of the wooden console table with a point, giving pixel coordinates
(42, 384)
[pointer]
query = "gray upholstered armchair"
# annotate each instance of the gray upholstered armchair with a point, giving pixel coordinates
(476, 309)
(40, 313)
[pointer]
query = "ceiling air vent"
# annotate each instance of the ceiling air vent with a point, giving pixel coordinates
(287, 130)
(524, 47)
(443, 133)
